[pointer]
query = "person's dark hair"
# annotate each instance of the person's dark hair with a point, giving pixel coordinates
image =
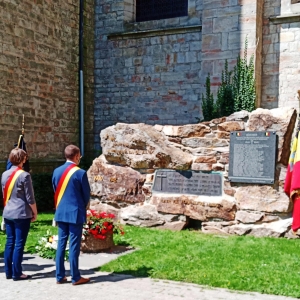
(17, 156)
(71, 151)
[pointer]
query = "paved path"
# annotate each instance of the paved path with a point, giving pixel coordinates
(106, 286)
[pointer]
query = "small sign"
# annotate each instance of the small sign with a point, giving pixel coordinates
(252, 156)
(188, 182)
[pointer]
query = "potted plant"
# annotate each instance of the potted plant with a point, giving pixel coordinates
(98, 231)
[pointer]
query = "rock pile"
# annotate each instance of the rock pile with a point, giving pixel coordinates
(121, 178)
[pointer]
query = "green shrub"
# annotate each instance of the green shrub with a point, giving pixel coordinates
(225, 97)
(209, 107)
(236, 92)
(243, 83)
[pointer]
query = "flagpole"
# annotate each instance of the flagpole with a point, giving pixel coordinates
(23, 124)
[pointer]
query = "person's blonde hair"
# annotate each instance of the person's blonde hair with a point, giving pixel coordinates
(17, 156)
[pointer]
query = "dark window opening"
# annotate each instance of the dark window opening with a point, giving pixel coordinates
(147, 10)
(295, 1)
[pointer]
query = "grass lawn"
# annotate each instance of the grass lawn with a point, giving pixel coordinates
(265, 265)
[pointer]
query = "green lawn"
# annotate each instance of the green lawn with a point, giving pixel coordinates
(265, 265)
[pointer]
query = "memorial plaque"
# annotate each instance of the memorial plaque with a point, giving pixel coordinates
(188, 182)
(252, 156)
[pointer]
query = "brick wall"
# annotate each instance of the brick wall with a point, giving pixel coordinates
(39, 75)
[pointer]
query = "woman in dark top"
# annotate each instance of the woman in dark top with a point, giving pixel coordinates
(19, 210)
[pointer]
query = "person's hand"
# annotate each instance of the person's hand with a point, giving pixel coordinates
(34, 217)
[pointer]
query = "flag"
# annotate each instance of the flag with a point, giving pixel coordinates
(22, 145)
(292, 179)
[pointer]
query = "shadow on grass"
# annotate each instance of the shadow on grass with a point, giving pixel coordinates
(140, 272)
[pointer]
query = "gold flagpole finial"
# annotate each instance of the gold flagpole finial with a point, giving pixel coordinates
(23, 124)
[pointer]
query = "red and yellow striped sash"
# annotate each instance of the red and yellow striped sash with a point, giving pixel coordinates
(10, 183)
(63, 182)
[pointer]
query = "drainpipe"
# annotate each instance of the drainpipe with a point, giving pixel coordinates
(81, 100)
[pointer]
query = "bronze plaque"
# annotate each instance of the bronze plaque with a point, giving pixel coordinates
(252, 156)
(188, 182)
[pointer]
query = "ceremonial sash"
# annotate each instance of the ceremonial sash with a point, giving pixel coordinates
(10, 184)
(63, 182)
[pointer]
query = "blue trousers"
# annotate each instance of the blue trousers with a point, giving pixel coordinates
(75, 232)
(16, 235)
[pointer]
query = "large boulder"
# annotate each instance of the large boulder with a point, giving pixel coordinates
(143, 216)
(141, 146)
(115, 184)
(262, 199)
(200, 208)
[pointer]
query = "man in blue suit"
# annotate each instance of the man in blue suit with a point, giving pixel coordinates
(72, 195)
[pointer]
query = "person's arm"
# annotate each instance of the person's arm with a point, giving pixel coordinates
(29, 194)
(34, 212)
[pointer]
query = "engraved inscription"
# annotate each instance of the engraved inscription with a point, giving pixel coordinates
(252, 157)
(188, 182)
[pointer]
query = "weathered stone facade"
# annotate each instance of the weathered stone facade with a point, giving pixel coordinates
(39, 77)
(281, 45)
(154, 71)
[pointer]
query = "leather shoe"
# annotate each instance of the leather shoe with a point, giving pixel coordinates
(82, 280)
(8, 277)
(64, 280)
(25, 277)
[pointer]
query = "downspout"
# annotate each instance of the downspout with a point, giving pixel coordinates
(81, 100)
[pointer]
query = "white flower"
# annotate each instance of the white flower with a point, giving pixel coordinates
(48, 245)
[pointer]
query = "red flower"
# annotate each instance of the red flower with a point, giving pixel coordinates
(102, 215)
(93, 231)
(103, 231)
(100, 236)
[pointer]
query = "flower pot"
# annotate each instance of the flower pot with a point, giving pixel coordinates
(93, 245)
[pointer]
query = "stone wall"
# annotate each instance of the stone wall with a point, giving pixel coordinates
(154, 72)
(121, 178)
(281, 36)
(39, 76)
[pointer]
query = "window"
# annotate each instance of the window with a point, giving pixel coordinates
(147, 10)
(295, 1)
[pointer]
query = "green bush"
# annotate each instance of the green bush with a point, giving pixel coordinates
(243, 83)
(209, 107)
(225, 97)
(236, 92)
